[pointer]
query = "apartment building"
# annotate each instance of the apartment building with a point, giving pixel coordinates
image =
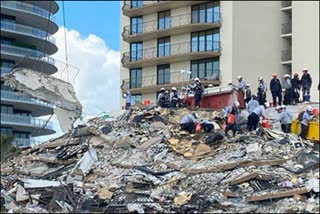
(26, 41)
(167, 43)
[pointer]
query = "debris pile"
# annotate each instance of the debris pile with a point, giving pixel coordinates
(142, 162)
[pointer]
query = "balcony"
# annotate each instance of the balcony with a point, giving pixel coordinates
(178, 24)
(145, 7)
(29, 58)
(29, 35)
(5, 70)
(170, 53)
(286, 28)
(150, 83)
(28, 124)
(29, 8)
(286, 56)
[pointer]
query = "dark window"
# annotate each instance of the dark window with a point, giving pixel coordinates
(135, 97)
(205, 69)
(135, 78)
(164, 47)
(136, 3)
(205, 41)
(136, 25)
(164, 20)
(205, 13)
(136, 51)
(163, 74)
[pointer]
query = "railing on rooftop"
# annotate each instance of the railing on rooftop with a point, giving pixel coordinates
(286, 28)
(137, 4)
(25, 120)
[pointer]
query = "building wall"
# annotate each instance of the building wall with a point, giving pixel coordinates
(305, 41)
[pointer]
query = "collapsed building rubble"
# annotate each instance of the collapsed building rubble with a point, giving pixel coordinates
(49, 89)
(142, 162)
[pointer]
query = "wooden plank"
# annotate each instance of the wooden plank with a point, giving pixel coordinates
(244, 177)
(274, 195)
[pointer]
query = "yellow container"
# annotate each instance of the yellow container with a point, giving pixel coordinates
(313, 129)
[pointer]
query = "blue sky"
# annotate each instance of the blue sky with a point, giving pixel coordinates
(101, 18)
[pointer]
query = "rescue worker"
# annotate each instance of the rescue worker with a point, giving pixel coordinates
(162, 98)
(254, 117)
(306, 83)
(167, 99)
(241, 83)
(252, 104)
(206, 125)
(241, 91)
(248, 93)
(198, 89)
(285, 118)
(174, 99)
(188, 122)
(182, 97)
(232, 108)
(231, 122)
(295, 87)
(262, 91)
(307, 116)
(287, 86)
(276, 90)
(127, 96)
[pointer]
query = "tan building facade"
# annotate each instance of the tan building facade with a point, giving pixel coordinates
(216, 41)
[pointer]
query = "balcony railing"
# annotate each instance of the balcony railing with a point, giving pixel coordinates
(286, 55)
(26, 52)
(11, 95)
(127, 4)
(22, 29)
(25, 121)
(171, 50)
(173, 78)
(286, 3)
(5, 70)
(29, 8)
(174, 21)
(286, 28)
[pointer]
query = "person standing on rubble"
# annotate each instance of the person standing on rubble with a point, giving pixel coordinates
(182, 97)
(248, 93)
(307, 116)
(287, 86)
(252, 104)
(276, 90)
(231, 122)
(262, 91)
(174, 99)
(232, 108)
(295, 87)
(241, 90)
(254, 117)
(198, 89)
(285, 118)
(167, 99)
(161, 98)
(127, 96)
(306, 83)
(188, 122)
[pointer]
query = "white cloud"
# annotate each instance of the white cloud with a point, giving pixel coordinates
(97, 84)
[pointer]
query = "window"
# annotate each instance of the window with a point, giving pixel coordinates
(135, 98)
(135, 78)
(136, 51)
(136, 25)
(163, 74)
(205, 13)
(164, 20)
(164, 47)
(205, 69)
(136, 3)
(205, 41)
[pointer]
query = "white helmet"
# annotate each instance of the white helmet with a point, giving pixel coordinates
(236, 103)
(309, 108)
(278, 108)
(166, 91)
(183, 88)
(267, 105)
(196, 79)
(283, 107)
(304, 69)
(162, 89)
(239, 77)
(260, 78)
(286, 75)
(248, 85)
(210, 85)
(173, 88)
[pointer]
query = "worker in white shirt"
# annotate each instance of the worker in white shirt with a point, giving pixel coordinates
(285, 118)
(254, 117)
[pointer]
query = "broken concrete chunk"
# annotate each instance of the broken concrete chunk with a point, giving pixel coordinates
(182, 198)
(21, 194)
(150, 142)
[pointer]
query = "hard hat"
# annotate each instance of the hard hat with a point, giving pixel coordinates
(274, 74)
(309, 108)
(210, 85)
(267, 105)
(196, 79)
(183, 88)
(166, 91)
(260, 78)
(236, 103)
(248, 85)
(304, 69)
(173, 88)
(278, 108)
(162, 89)
(295, 74)
(283, 106)
(286, 75)
(239, 77)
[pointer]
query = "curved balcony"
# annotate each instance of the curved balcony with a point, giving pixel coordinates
(170, 53)
(29, 35)
(24, 101)
(5, 70)
(36, 126)
(146, 7)
(32, 14)
(150, 83)
(178, 24)
(29, 58)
